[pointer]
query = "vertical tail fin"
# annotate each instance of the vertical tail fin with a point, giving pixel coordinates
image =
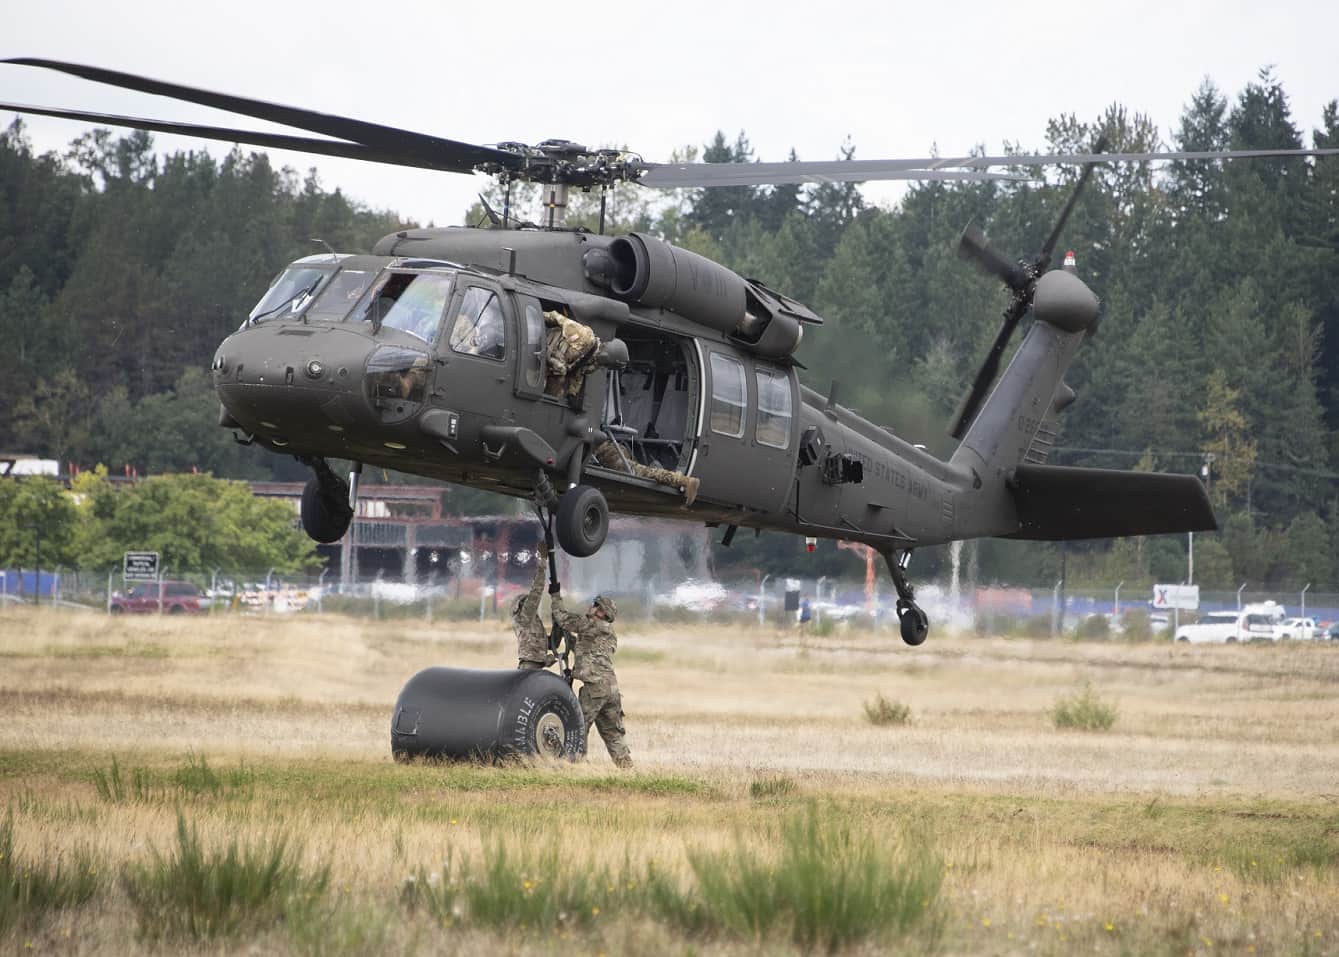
(1006, 429)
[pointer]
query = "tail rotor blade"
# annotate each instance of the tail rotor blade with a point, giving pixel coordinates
(1045, 258)
(973, 245)
(985, 376)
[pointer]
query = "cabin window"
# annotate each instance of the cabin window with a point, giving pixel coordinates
(729, 396)
(340, 295)
(479, 330)
(773, 426)
(532, 361)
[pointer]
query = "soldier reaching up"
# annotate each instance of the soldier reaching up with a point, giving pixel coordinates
(532, 642)
(596, 644)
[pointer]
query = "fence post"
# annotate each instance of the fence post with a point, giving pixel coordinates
(1115, 609)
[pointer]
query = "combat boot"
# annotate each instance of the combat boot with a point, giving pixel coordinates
(690, 485)
(624, 762)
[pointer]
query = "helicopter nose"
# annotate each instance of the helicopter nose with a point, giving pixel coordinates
(291, 386)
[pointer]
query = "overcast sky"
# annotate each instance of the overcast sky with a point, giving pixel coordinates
(898, 79)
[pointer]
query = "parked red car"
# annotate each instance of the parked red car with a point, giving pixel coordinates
(178, 598)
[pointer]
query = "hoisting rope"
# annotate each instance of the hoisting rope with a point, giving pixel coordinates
(545, 496)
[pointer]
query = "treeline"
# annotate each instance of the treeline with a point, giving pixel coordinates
(119, 273)
(194, 522)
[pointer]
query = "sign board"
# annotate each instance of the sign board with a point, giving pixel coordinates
(140, 567)
(1176, 596)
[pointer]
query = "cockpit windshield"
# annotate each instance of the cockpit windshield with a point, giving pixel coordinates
(410, 302)
(339, 295)
(290, 293)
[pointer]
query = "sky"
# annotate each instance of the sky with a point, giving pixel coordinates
(898, 79)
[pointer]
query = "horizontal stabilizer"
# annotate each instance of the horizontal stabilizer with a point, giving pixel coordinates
(1056, 503)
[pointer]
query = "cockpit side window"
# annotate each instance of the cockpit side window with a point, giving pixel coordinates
(340, 295)
(410, 302)
(289, 294)
(479, 328)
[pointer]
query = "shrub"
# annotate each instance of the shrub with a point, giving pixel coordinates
(828, 889)
(1136, 625)
(530, 888)
(1094, 626)
(204, 894)
(882, 712)
(771, 787)
(1085, 711)
(30, 889)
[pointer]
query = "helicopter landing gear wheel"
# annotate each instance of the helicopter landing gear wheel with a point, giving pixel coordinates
(582, 521)
(915, 624)
(911, 617)
(326, 513)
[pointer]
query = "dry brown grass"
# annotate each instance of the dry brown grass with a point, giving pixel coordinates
(1222, 757)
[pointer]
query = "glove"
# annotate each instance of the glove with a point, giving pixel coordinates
(555, 588)
(550, 659)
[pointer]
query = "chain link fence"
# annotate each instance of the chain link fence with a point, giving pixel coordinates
(818, 605)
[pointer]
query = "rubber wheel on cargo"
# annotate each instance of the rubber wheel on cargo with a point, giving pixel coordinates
(325, 518)
(583, 521)
(466, 714)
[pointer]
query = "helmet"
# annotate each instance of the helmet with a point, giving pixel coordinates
(606, 605)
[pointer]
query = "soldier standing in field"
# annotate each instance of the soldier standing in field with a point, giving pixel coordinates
(596, 643)
(532, 642)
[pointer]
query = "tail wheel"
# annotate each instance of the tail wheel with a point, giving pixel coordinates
(583, 521)
(915, 623)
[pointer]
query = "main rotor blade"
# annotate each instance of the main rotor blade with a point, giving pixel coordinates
(683, 175)
(279, 141)
(679, 175)
(413, 149)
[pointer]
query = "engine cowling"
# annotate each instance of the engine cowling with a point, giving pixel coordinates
(650, 272)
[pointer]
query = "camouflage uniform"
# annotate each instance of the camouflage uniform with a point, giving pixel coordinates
(571, 350)
(613, 456)
(601, 703)
(532, 642)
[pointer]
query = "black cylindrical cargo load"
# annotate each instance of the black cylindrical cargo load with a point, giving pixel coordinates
(653, 273)
(467, 714)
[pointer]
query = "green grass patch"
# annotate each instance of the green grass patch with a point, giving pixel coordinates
(532, 888)
(775, 786)
(1309, 849)
(204, 894)
(643, 656)
(194, 778)
(31, 889)
(1085, 711)
(828, 889)
(881, 712)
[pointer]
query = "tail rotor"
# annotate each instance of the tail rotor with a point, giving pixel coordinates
(1021, 278)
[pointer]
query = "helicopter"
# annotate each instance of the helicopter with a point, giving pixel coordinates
(430, 356)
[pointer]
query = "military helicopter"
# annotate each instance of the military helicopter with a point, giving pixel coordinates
(429, 356)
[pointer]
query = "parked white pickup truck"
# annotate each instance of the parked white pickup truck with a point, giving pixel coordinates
(1300, 629)
(1252, 623)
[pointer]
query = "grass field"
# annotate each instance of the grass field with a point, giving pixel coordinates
(225, 785)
